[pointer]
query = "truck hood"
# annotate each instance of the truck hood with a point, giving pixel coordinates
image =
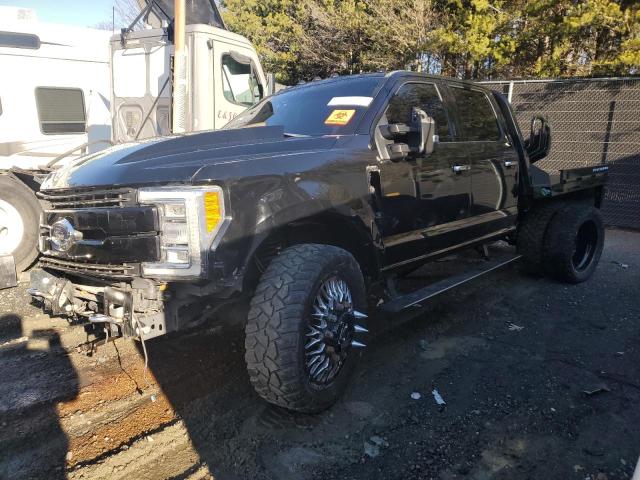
(187, 158)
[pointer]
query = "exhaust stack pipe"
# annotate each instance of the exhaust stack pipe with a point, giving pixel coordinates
(179, 94)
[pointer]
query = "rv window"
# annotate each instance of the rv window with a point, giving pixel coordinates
(239, 81)
(19, 40)
(60, 110)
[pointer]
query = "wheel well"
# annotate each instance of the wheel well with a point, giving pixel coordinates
(24, 179)
(326, 228)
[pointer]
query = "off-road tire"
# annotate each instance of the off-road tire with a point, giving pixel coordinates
(574, 242)
(530, 239)
(24, 200)
(277, 320)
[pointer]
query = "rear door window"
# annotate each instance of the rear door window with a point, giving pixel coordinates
(60, 110)
(424, 96)
(477, 117)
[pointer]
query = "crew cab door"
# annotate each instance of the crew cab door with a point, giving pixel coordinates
(492, 158)
(422, 195)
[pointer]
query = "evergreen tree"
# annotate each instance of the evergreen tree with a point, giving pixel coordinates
(479, 39)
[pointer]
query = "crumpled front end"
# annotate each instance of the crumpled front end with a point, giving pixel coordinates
(123, 259)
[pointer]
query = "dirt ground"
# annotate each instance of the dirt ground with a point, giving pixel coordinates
(512, 356)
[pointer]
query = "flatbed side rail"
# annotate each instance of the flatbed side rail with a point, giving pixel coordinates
(571, 180)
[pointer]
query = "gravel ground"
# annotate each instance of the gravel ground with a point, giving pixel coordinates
(541, 381)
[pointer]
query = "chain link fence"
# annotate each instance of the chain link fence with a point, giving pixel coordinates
(593, 121)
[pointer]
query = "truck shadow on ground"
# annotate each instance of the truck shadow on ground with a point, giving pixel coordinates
(203, 375)
(36, 374)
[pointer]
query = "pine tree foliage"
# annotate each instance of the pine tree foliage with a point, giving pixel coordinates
(481, 39)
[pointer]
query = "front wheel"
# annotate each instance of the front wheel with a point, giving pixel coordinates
(574, 243)
(305, 327)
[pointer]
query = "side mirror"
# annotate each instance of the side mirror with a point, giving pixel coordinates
(271, 83)
(425, 126)
(539, 142)
(392, 131)
(397, 141)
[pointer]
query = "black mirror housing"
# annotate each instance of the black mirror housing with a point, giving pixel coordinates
(538, 144)
(399, 141)
(397, 151)
(425, 127)
(392, 131)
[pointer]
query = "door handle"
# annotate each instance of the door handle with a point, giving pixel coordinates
(509, 163)
(461, 168)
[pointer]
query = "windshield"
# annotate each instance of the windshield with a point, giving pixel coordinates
(331, 108)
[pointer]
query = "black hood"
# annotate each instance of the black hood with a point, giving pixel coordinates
(179, 159)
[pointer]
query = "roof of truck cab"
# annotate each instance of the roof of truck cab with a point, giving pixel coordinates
(389, 75)
(441, 78)
(326, 81)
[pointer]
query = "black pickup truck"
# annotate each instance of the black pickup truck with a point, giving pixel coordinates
(338, 188)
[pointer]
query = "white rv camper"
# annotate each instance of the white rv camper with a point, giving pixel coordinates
(54, 97)
(54, 78)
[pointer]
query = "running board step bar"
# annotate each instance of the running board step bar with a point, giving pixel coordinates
(415, 298)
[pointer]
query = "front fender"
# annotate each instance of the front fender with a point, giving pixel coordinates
(278, 204)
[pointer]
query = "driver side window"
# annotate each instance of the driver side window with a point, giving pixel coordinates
(240, 84)
(424, 96)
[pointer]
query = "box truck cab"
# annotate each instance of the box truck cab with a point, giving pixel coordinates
(223, 75)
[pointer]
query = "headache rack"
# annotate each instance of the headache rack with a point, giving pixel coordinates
(65, 199)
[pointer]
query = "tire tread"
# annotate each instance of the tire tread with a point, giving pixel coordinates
(273, 323)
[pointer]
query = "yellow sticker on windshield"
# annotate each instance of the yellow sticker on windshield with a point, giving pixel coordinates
(339, 117)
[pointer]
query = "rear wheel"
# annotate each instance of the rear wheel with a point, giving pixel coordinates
(574, 243)
(19, 217)
(305, 327)
(531, 236)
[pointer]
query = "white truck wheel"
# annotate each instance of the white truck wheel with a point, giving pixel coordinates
(19, 218)
(11, 228)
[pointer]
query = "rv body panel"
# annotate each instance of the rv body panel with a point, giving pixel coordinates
(54, 87)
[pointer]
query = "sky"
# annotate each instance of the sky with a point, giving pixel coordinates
(85, 13)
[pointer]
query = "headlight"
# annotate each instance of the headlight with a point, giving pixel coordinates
(191, 218)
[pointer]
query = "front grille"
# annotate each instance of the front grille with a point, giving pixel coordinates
(88, 198)
(115, 235)
(124, 271)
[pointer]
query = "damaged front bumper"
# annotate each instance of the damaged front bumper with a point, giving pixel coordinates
(134, 309)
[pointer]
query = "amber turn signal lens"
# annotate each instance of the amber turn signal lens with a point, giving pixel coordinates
(212, 210)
